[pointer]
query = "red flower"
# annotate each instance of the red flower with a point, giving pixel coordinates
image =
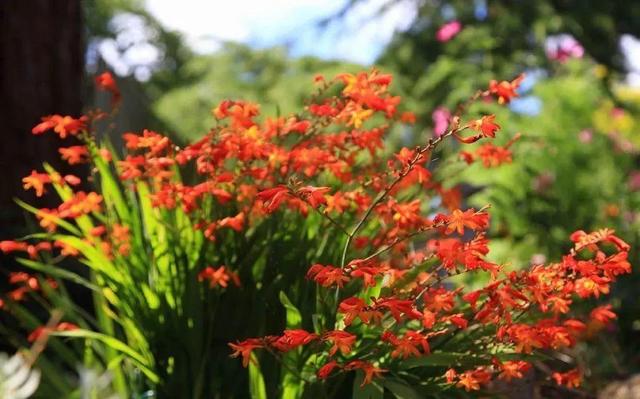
(450, 375)
(367, 270)
(485, 125)
(428, 319)
(458, 320)
(273, 197)
(584, 240)
(594, 285)
(245, 348)
(370, 371)
(75, 154)
(219, 276)
(315, 196)
(471, 380)
(80, 204)
(36, 181)
(492, 155)
(471, 219)
(299, 126)
(355, 307)
(234, 222)
(603, 314)
(570, 379)
(12, 246)
(327, 275)
(292, 339)
(512, 369)
(325, 370)
(341, 341)
(398, 307)
(504, 90)
(106, 82)
(407, 345)
(62, 125)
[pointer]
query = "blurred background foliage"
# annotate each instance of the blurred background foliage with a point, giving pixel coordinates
(269, 77)
(501, 38)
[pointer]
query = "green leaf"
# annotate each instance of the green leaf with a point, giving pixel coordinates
(294, 319)
(110, 189)
(257, 387)
(53, 270)
(60, 222)
(369, 391)
(291, 384)
(95, 258)
(442, 359)
(115, 344)
(400, 390)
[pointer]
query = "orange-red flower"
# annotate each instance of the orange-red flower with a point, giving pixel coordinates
(366, 270)
(342, 341)
(273, 197)
(571, 378)
(407, 345)
(36, 181)
(234, 222)
(80, 204)
(398, 307)
(75, 154)
(370, 371)
(315, 196)
(244, 349)
(504, 90)
(592, 286)
(327, 275)
(512, 369)
(355, 307)
(292, 339)
(218, 277)
(106, 82)
(472, 380)
(63, 125)
(584, 240)
(43, 330)
(603, 314)
(470, 219)
(326, 370)
(485, 125)
(8, 246)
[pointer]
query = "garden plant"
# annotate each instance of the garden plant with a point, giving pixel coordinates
(329, 264)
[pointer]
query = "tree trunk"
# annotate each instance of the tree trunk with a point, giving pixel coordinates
(41, 70)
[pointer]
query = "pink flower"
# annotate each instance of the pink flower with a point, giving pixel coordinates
(440, 118)
(585, 136)
(634, 180)
(448, 31)
(563, 47)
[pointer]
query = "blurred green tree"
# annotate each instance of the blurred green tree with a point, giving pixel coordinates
(236, 71)
(499, 38)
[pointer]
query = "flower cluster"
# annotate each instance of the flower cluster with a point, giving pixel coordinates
(411, 255)
(394, 293)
